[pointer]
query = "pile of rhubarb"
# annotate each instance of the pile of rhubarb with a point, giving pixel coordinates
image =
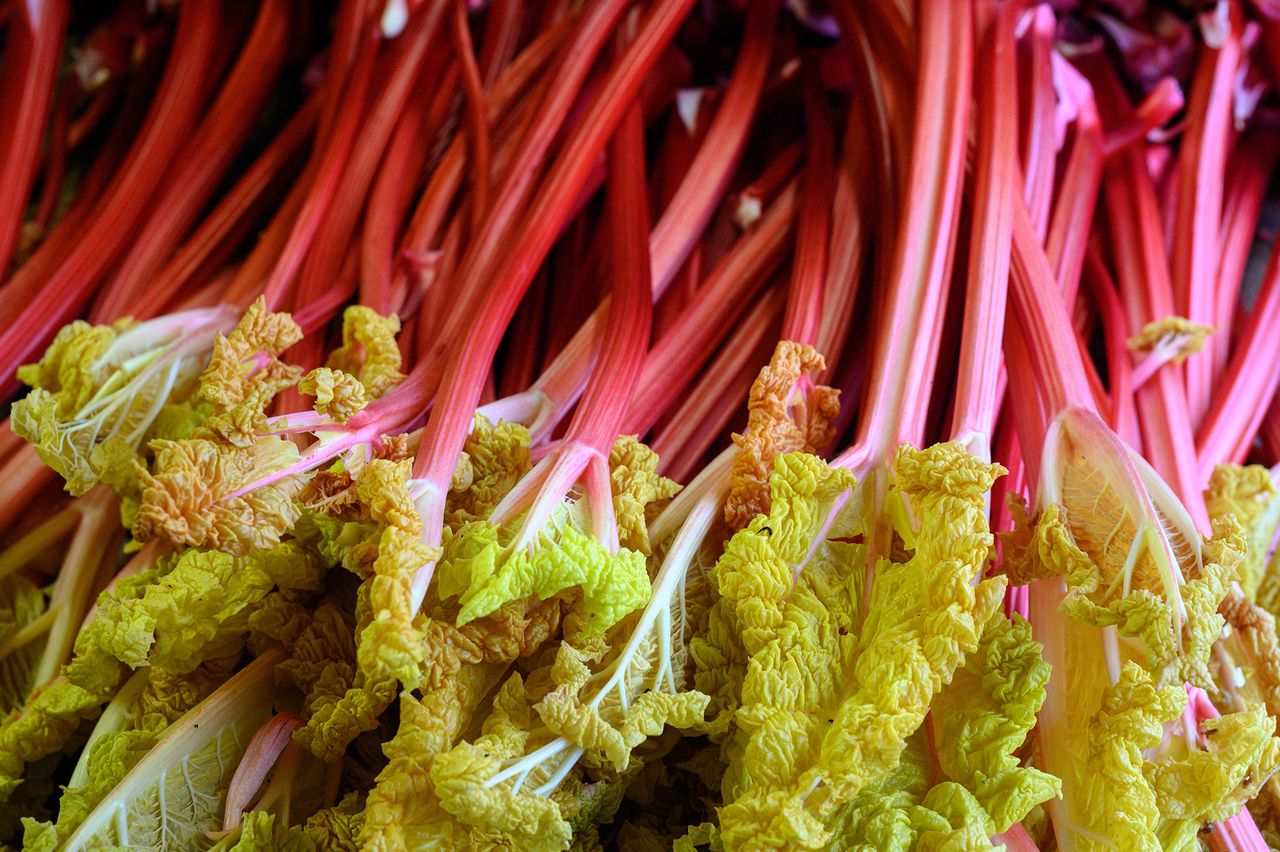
(639, 424)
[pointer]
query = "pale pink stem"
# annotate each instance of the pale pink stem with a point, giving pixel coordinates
(260, 755)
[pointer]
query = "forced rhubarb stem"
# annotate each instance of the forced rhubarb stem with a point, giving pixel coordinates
(32, 49)
(1072, 216)
(486, 250)
(851, 233)
(341, 212)
(173, 113)
(605, 400)
(1244, 392)
(501, 37)
(1016, 839)
(388, 201)
(1269, 434)
(259, 757)
(878, 109)
(686, 216)
(54, 170)
(1045, 327)
(995, 181)
(905, 361)
(477, 113)
(1202, 168)
(231, 219)
(656, 91)
(472, 354)
(1122, 414)
(24, 476)
(1142, 273)
(805, 296)
(1167, 435)
(1037, 150)
(434, 204)
(582, 455)
(685, 133)
(217, 140)
(349, 33)
(1248, 176)
(680, 353)
(523, 351)
(1163, 102)
(329, 161)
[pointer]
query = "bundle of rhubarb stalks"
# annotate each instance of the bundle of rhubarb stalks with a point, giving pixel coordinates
(639, 424)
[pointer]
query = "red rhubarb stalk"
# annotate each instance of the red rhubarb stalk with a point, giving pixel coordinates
(584, 452)
(1248, 175)
(903, 368)
(217, 140)
(464, 375)
(110, 229)
(32, 49)
(1037, 138)
(720, 393)
(995, 180)
(1244, 392)
(477, 113)
(1202, 161)
(805, 294)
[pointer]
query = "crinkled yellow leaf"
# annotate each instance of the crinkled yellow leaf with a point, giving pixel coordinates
(110, 757)
(610, 733)
(786, 413)
(369, 350)
(331, 829)
(197, 608)
(1254, 643)
(402, 810)
(1143, 613)
(389, 644)
(236, 368)
(832, 691)
(167, 695)
(983, 716)
(1241, 753)
(494, 458)
(611, 585)
(21, 603)
(339, 396)
(633, 472)
(54, 711)
(1179, 335)
(67, 368)
(55, 416)
(184, 498)
(526, 821)
(1247, 493)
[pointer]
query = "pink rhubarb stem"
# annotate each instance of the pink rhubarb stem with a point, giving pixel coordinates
(1246, 388)
(173, 113)
(1202, 170)
(1038, 147)
(32, 49)
(995, 180)
(604, 403)
(217, 141)
(471, 358)
(903, 370)
(1248, 175)
(805, 297)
